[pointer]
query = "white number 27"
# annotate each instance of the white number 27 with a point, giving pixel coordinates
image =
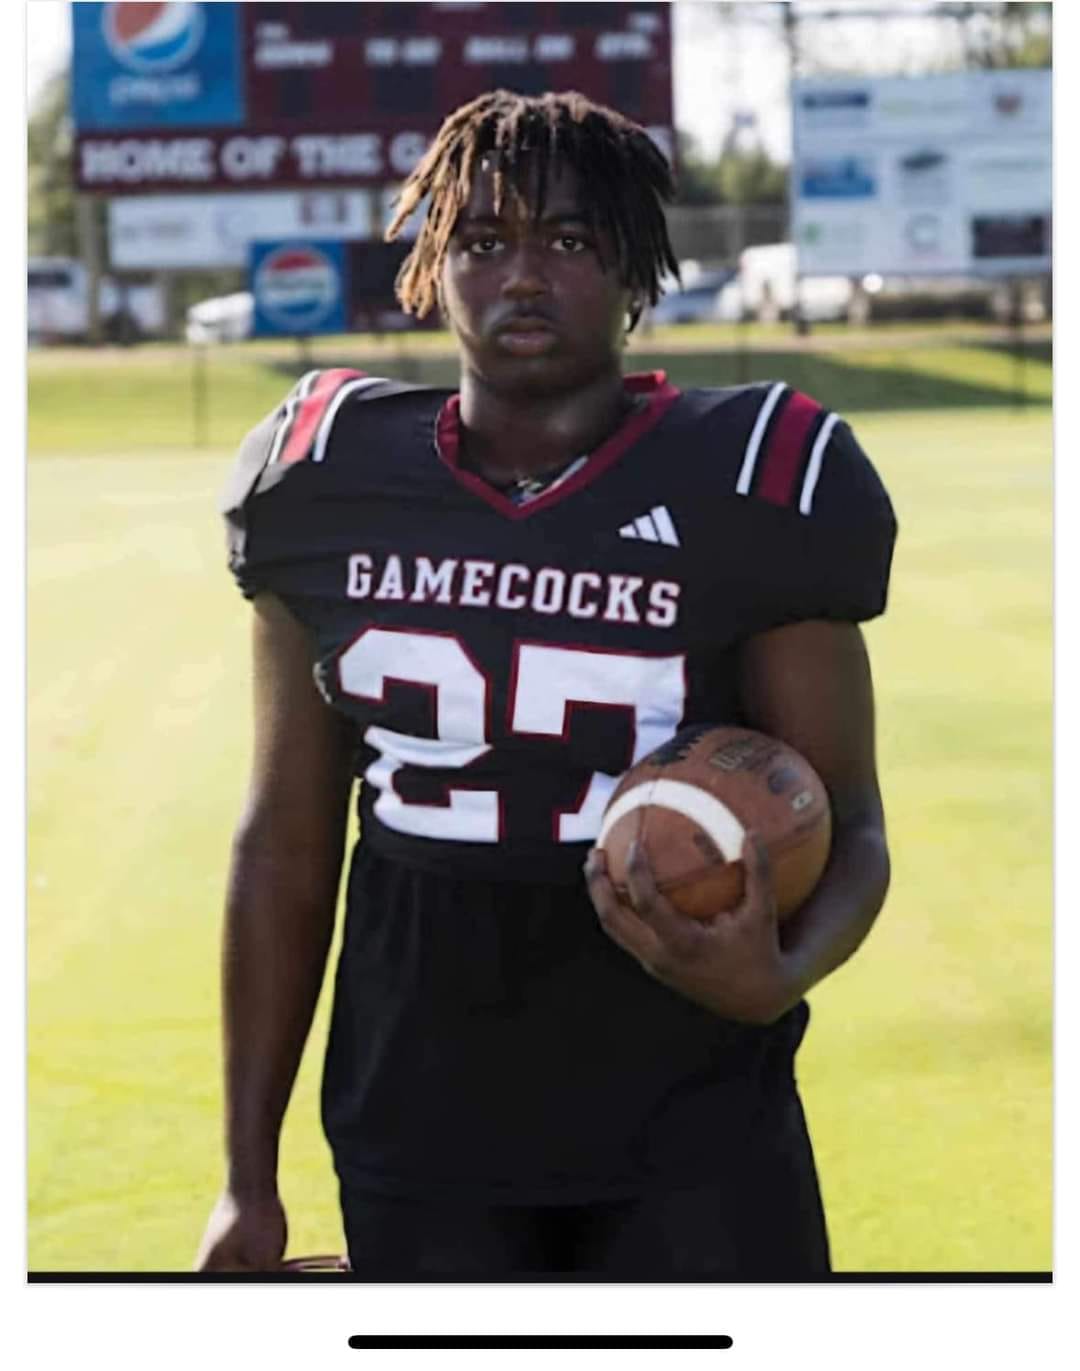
(546, 684)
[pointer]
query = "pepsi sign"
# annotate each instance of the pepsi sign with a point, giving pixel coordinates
(162, 65)
(153, 38)
(299, 288)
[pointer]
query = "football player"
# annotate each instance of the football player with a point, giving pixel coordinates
(485, 605)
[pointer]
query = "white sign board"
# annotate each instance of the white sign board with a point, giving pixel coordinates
(919, 176)
(178, 232)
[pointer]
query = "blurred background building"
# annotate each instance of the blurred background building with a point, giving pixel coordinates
(132, 254)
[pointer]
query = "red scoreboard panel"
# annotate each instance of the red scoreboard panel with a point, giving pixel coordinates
(351, 93)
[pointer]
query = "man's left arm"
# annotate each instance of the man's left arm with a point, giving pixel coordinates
(808, 684)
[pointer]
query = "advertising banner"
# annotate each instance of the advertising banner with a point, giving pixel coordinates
(308, 286)
(923, 176)
(164, 66)
(264, 95)
(299, 288)
(184, 232)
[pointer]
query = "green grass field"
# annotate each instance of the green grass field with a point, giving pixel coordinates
(927, 1073)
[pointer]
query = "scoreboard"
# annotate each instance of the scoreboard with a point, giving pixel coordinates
(171, 97)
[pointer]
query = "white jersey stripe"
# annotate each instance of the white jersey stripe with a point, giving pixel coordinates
(322, 437)
(813, 468)
(665, 527)
(628, 531)
(299, 395)
(706, 810)
(646, 529)
(746, 474)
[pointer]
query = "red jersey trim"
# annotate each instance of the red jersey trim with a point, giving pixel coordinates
(654, 385)
(785, 450)
(312, 409)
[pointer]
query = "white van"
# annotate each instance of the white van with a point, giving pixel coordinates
(770, 288)
(224, 319)
(58, 304)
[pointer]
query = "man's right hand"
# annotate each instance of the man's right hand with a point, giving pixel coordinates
(243, 1235)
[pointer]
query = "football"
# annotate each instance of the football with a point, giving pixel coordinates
(324, 1265)
(690, 803)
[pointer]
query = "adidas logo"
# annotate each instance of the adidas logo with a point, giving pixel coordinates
(654, 527)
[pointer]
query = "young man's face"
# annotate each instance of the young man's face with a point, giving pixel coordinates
(528, 298)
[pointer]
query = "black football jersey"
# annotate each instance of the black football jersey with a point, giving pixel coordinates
(505, 663)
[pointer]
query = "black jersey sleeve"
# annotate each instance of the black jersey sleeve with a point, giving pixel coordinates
(848, 534)
(266, 497)
(819, 526)
(237, 499)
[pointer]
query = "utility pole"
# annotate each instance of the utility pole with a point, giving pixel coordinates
(791, 43)
(89, 239)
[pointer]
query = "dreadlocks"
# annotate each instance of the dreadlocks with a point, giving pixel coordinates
(625, 182)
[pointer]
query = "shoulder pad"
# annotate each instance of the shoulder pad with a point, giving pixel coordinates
(292, 438)
(288, 434)
(298, 432)
(823, 517)
(308, 414)
(786, 446)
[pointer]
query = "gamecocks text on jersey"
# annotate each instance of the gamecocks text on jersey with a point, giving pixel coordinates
(474, 582)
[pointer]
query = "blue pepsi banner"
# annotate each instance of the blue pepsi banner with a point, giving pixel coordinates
(299, 288)
(137, 66)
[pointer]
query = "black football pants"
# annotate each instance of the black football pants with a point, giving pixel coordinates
(765, 1223)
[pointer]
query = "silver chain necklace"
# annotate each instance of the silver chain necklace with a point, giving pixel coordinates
(525, 488)
(521, 489)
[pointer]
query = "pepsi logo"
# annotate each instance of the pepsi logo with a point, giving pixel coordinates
(151, 38)
(297, 287)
